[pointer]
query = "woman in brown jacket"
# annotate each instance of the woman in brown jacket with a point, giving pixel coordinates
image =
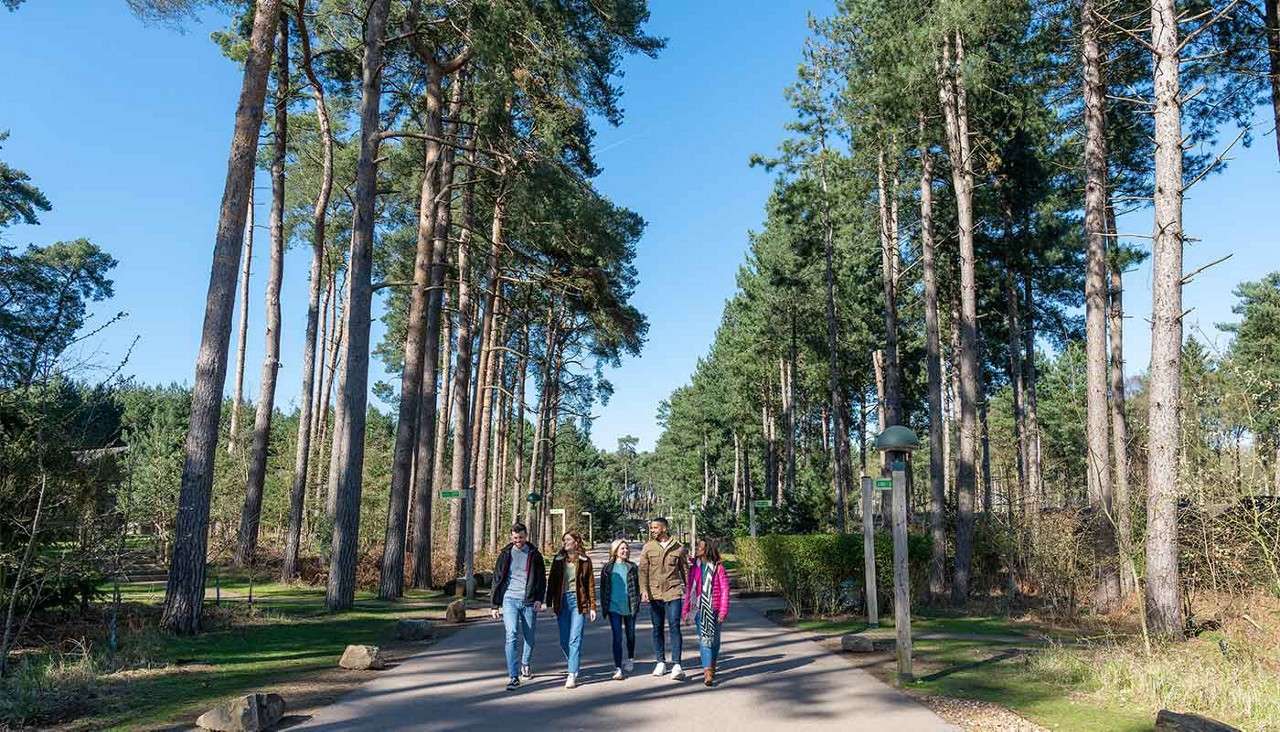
(571, 596)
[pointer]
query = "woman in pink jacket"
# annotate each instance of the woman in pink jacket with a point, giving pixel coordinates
(707, 596)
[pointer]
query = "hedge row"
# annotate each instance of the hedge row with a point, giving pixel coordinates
(823, 573)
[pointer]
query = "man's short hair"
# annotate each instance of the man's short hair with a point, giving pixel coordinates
(660, 520)
(519, 528)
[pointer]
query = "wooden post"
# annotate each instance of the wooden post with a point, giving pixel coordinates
(869, 552)
(901, 578)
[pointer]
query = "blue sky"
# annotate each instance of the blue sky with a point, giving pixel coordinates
(125, 127)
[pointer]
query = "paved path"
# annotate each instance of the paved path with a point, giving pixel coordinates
(769, 678)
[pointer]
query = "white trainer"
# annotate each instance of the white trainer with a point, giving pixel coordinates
(571, 682)
(617, 674)
(526, 673)
(660, 669)
(677, 673)
(628, 665)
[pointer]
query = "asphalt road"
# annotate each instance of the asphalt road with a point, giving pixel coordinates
(768, 678)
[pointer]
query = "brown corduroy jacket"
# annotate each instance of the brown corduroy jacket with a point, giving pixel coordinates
(584, 584)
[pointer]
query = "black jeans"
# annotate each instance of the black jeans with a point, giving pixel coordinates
(619, 623)
(668, 612)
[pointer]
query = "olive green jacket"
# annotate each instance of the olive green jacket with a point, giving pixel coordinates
(663, 571)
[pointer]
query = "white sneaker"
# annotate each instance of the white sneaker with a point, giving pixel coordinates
(571, 682)
(617, 674)
(526, 673)
(677, 673)
(628, 665)
(660, 669)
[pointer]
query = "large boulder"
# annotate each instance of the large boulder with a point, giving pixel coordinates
(362, 658)
(415, 630)
(1167, 721)
(855, 643)
(248, 713)
(456, 612)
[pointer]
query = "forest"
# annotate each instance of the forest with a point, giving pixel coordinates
(955, 205)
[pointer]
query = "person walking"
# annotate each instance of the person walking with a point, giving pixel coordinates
(708, 593)
(519, 583)
(571, 595)
(663, 570)
(620, 598)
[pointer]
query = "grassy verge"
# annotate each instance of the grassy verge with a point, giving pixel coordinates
(1084, 685)
(285, 637)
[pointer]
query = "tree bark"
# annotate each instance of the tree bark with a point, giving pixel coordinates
(242, 337)
(888, 278)
(1272, 10)
(486, 375)
(353, 399)
(391, 580)
(933, 367)
(1098, 454)
(310, 347)
(1164, 606)
(461, 473)
(247, 544)
(1034, 482)
(184, 592)
(1120, 429)
(954, 104)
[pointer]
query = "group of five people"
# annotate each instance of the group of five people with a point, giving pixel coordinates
(664, 578)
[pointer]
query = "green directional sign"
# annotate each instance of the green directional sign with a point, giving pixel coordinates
(451, 494)
(884, 484)
(762, 504)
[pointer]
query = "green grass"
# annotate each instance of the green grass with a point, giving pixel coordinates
(988, 625)
(981, 663)
(288, 635)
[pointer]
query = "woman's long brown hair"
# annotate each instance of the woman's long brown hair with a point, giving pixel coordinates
(710, 550)
(577, 544)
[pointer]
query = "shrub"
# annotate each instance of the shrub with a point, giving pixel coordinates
(823, 573)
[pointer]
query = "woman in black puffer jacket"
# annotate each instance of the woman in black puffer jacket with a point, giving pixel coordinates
(620, 598)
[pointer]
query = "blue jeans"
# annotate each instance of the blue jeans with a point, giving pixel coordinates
(668, 612)
(519, 620)
(709, 651)
(619, 623)
(571, 624)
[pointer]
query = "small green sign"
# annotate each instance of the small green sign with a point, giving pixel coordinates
(884, 484)
(451, 494)
(762, 504)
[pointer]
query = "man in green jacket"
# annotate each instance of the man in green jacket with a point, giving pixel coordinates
(664, 565)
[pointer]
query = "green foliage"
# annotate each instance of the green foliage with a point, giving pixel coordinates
(824, 573)
(19, 199)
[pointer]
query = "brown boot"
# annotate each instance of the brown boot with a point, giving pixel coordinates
(709, 676)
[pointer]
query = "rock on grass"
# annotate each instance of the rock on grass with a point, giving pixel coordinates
(362, 658)
(248, 713)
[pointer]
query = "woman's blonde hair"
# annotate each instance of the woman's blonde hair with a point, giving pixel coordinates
(614, 547)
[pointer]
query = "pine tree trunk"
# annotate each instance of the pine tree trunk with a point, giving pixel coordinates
(353, 399)
(242, 337)
(1120, 429)
(461, 473)
(1034, 482)
(518, 423)
(184, 592)
(311, 346)
(486, 375)
(1164, 606)
(338, 380)
(954, 106)
(933, 366)
(1098, 451)
(247, 544)
(892, 409)
(1272, 10)
(1017, 386)
(391, 579)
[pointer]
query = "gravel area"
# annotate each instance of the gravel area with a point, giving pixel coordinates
(978, 716)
